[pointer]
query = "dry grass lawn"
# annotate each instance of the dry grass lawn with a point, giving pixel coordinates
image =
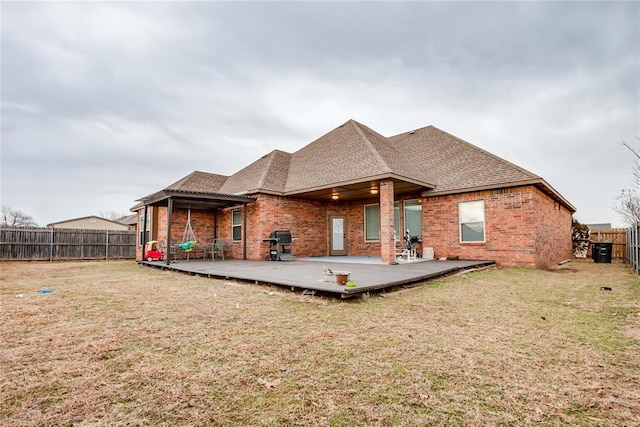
(120, 344)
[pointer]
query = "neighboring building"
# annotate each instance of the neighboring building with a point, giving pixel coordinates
(356, 192)
(599, 226)
(90, 223)
(129, 220)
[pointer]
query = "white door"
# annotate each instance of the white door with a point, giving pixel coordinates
(338, 235)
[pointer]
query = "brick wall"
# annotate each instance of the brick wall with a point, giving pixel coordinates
(308, 222)
(305, 219)
(553, 242)
(521, 227)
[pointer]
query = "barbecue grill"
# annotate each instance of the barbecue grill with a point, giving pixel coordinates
(279, 245)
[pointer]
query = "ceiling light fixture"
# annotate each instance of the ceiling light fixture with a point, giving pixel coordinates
(335, 196)
(374, 190)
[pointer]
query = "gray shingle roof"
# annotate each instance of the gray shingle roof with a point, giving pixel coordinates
(351, 152)
(267, 174)
(198, 182)
(454, 165)
(434, 159)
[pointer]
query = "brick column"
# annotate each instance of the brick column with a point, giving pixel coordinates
(387, 243)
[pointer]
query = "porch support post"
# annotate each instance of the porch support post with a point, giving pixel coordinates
(387, 242)
(167, 257)
(144, 233)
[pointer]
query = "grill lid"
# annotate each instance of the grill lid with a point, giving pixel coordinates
(283, 236)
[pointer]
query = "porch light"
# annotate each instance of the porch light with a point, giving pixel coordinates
(335, 196)
(374, 190)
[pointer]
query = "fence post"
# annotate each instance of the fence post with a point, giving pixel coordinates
(51, 246)
(106, 252)
(636, 249)
(633, 247)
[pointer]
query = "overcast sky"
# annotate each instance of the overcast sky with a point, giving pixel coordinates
(104, 103)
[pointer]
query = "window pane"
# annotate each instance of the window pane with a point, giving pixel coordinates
(337, 240)
(413, 217)
(237, 218)
(236, 224)
(472, 232)
(372, 222)
(237, 233)
(472, 211)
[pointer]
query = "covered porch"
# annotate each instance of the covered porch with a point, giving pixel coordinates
(197, 201)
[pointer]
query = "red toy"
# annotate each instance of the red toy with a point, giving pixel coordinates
(153, 251)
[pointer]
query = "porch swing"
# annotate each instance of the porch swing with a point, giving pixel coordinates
(188, 237)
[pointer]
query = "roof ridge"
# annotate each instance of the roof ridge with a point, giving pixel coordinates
(498, 158)
(377, 154)
(411, 132)
(266, 170)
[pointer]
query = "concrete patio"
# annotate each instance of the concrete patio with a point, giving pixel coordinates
(312, 275)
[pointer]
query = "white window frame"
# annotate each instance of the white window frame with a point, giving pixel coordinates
(396, 221)
(414, 233)
(142, 232)
(477, 221)
(366, 234)
(234, 225)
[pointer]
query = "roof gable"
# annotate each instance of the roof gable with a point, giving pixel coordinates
(350, 152)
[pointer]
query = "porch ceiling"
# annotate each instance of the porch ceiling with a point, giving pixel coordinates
(358, 190)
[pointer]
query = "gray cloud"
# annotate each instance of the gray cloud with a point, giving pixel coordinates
(103, 103)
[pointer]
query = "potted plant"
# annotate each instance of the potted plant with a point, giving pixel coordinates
(342, 277)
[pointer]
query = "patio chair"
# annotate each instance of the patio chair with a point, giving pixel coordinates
(219, 246)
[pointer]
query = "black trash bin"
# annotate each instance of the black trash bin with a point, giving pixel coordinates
(601, 252)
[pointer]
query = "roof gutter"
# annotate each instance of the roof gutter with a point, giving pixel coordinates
(165, 194)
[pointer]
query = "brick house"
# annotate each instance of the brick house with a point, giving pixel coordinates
(356, 192)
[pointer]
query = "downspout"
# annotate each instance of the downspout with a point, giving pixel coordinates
(167, 257)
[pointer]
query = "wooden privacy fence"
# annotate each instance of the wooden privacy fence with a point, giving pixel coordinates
(616, 235)
(21, 244)
(633, 247)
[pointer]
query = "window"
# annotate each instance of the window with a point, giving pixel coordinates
(147, 233)
(413, 217)
(471, 221)
(236, 224)
(371, 223)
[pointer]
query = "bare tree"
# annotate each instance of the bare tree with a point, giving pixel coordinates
(112, 215)
(15, 218)
(628, 202)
